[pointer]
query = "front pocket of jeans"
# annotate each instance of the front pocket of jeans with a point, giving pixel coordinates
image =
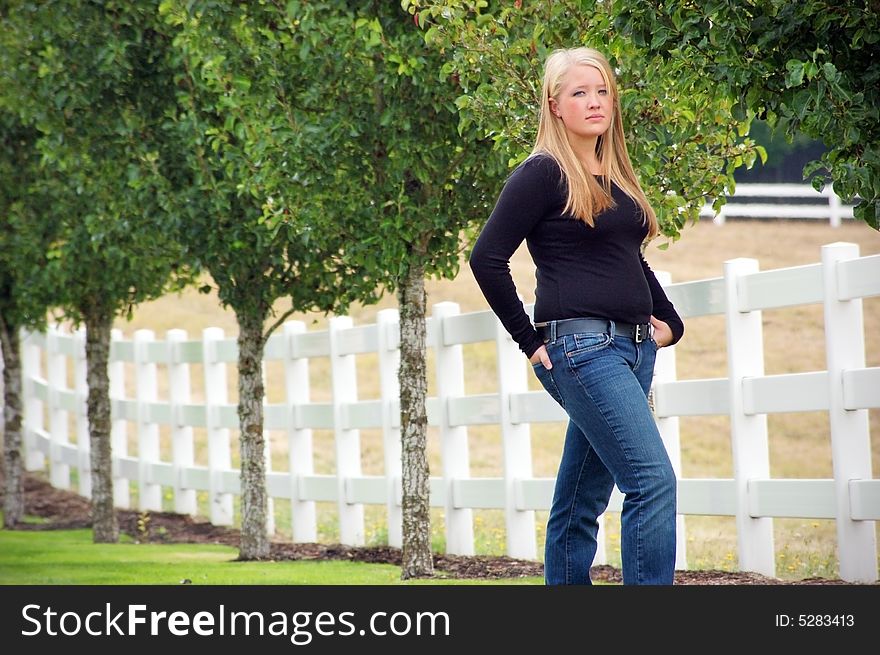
(582, 349)
(580, 344)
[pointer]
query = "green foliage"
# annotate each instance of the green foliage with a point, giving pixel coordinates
(88, 78)
(251, 136)
(25, 234)
(257, 151)
(405, 173)
(684, 139)
(811, 67)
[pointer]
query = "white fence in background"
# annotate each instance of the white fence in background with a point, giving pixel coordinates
(800, 203)
(845, 390)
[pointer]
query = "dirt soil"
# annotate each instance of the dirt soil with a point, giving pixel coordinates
(67, 510)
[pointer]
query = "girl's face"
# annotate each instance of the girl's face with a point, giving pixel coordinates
(584, 104)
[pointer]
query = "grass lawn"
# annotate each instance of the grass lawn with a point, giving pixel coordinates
(68, 557)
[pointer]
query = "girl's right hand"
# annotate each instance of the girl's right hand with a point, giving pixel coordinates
(540, 355)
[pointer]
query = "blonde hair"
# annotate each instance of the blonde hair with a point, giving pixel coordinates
(586, 197)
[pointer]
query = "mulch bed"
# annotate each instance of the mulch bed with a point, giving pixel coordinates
(67, 510)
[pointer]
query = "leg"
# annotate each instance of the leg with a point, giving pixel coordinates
(583, 486)
(602, 385)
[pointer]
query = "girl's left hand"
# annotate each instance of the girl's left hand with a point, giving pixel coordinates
(662, 332)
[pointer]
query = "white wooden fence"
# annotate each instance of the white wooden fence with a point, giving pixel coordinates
(800, 202)
(845, 390)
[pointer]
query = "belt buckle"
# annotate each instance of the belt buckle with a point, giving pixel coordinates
(640, 334)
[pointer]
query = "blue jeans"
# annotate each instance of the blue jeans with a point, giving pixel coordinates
(602, 380)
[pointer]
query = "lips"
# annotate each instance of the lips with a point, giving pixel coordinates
(595, 116)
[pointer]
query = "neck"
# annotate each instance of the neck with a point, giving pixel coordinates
(585, 149)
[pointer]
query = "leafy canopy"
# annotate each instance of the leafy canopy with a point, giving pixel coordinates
(811, 67)
(683, 138)
(89, 78)
(257, 145)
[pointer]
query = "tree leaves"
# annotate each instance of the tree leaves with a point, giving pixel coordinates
(254, 132)
(95, 103)
(811, 68)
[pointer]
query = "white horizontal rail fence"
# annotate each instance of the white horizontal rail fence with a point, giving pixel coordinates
(845, 390)
(800, 203)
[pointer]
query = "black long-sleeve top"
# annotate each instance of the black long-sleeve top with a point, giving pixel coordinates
(581, 271)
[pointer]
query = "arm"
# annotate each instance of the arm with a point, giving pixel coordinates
(663, 309)
(523, 201)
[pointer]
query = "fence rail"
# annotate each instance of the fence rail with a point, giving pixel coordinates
(845, 390)
(802, 201)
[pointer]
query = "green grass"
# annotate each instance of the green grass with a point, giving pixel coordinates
(68, 557)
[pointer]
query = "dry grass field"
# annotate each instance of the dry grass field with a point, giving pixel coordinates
(794, 341)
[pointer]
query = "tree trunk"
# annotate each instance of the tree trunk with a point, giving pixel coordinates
(13, 469)
(254, 502)
(417, 559)
(104, 524)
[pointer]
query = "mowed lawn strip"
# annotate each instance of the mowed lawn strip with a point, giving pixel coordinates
(68, 557)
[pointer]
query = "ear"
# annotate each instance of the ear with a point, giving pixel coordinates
(554, 107)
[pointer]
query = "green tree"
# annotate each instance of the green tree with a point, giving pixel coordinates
(683, 138)
(91, 78)
(25, 241)
(811, 67)
(257, 148)
(418, 186)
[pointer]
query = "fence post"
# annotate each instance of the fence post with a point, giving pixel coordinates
(347, 440)
(850, 437)
(834, 206)
(219, 456)
(119, 425)
(601, 556)
(665, 371)
(388, 327)
(270, 501)
(516, 446)
(32, 423)
(81, 393)
(149, 493)
(182, 448)
(34, 460)
(300, 454)
(455, 457)
(56, 378)
(748, 432)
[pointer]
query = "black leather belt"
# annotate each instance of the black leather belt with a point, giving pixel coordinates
(550, 330)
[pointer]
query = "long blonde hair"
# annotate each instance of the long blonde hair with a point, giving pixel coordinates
(586, 197)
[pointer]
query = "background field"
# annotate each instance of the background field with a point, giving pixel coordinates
(794, 341)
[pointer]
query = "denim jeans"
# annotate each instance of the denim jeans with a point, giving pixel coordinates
(602, 380)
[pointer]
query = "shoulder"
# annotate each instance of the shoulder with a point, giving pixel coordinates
(537, 168)
(541, 163)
